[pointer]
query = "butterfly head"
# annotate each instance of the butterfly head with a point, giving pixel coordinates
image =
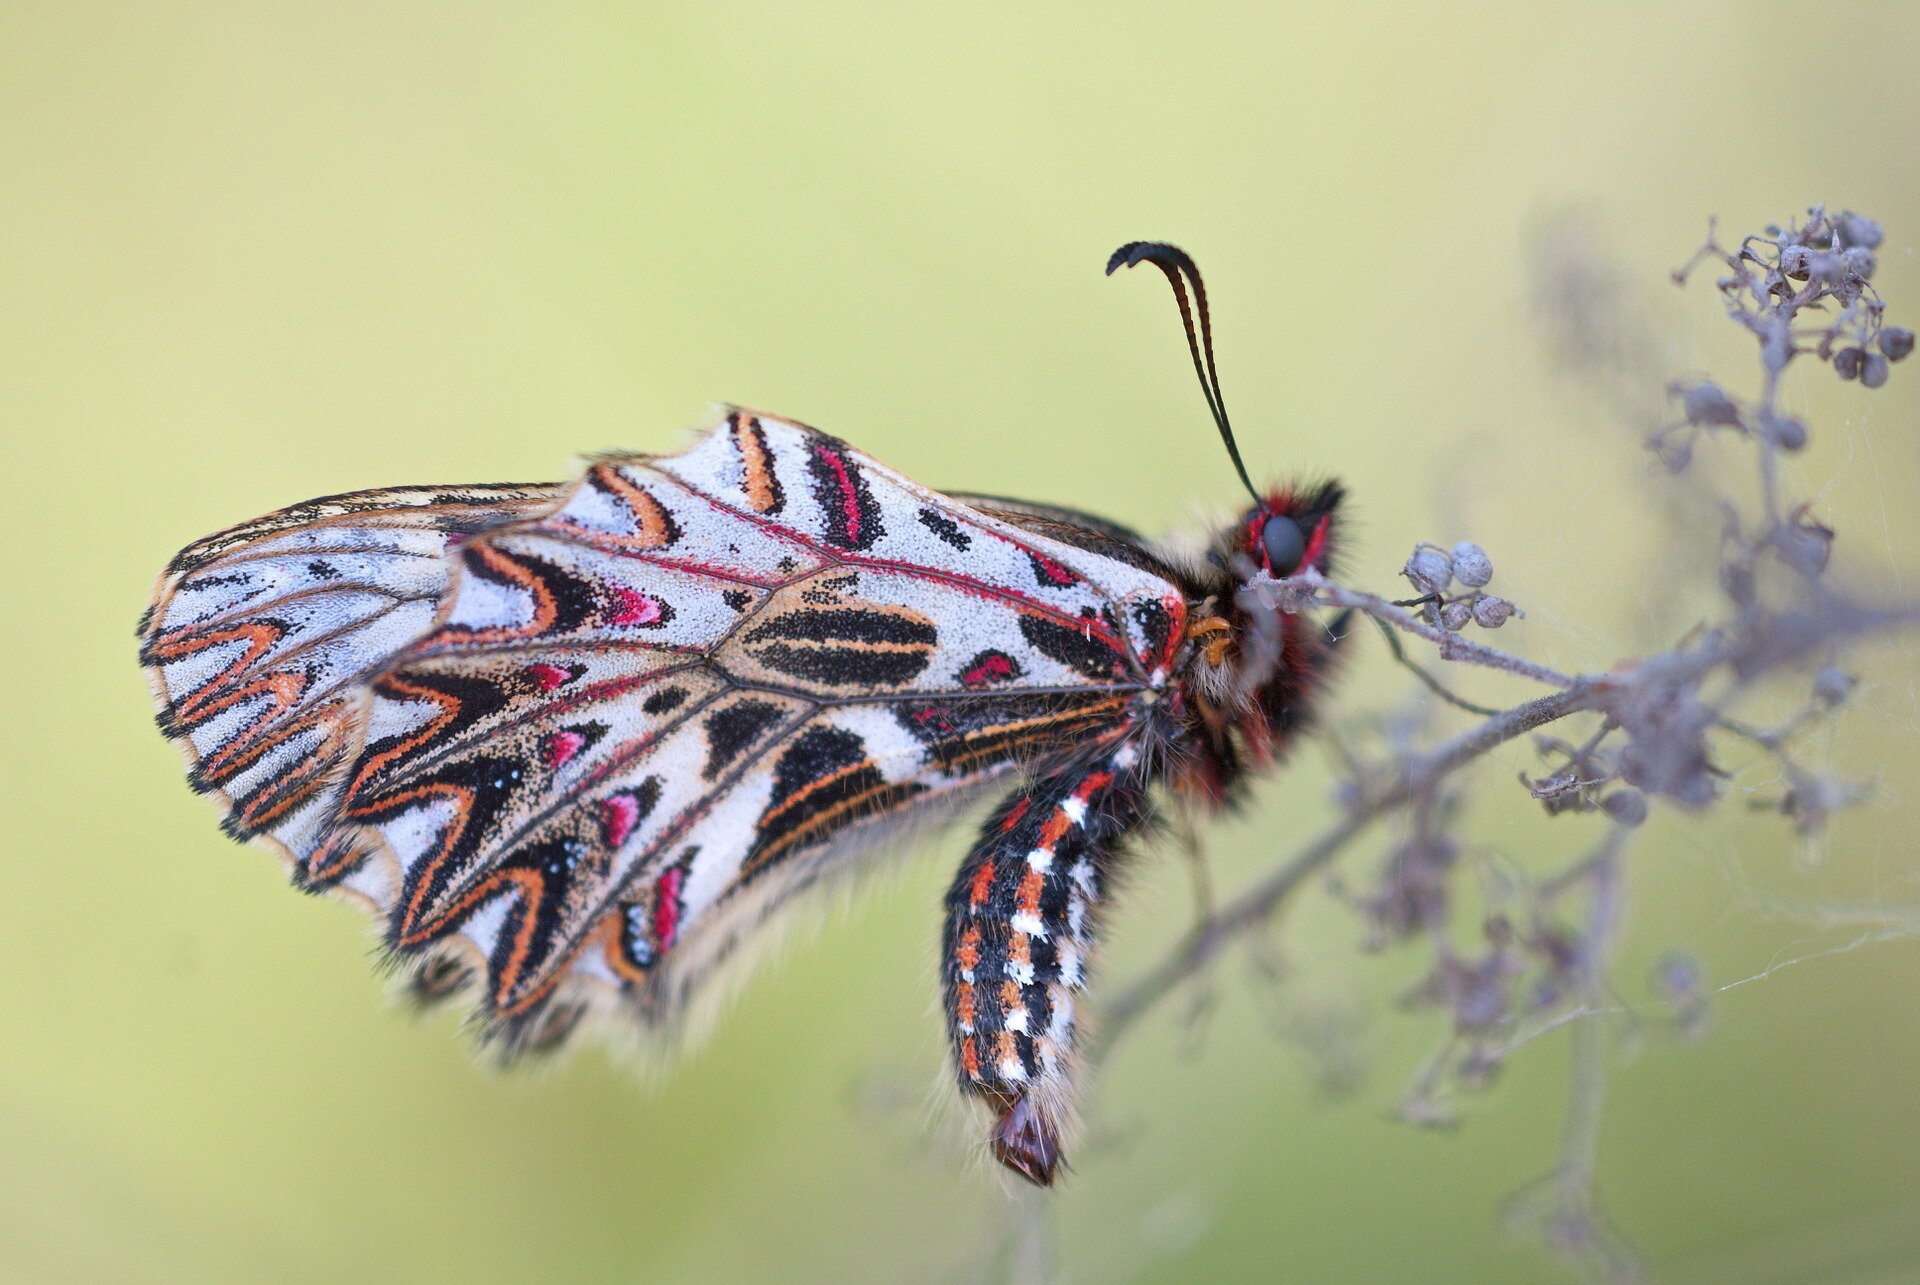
(1252, 672)
(1290, 529)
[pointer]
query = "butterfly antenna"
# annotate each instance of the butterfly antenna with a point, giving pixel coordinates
(1179, 268)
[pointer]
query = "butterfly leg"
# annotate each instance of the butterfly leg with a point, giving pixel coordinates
(1020, 928)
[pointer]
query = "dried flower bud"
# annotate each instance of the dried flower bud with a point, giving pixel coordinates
(1498, 929)
(1813, 800)
(1796, 261)
(1806, 546)
(1675, 451)
(1455, 616)
(1628, 807)
(1666, 748)
(1896, 342)
(1480, 997)
(1786, 432)
(1490, 612)
(1846, 362)
(1707, 404)
(1860, 262)
(1678, 974)
(1736, 581)
(1873, 370)
(1471, 565)
(1429, 570)
(1479, 1067)
(1858, 230)
(1827, 269)
(1777, 350)
(1832, 685)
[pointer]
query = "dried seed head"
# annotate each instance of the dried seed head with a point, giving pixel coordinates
(1455, 616)
(1873, 370)
(1846, 362)
(1896, 342)
(1858, 230)
(1777, 350)
(1827, 269)
(1736, 579)
(1429, 570)
(1678, 975)
(1707, 404)
(1832, 685)
(1628, 807)
(1666, 748)
(1490, 612)
(1675, 451)
(1806, 545)
(1471, 565)
(1860, 262)
(1796, 261)
(1786, 432)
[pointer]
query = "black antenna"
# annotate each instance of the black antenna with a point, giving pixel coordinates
(1175, 262)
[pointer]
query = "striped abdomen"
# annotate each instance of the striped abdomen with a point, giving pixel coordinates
(1020, 929)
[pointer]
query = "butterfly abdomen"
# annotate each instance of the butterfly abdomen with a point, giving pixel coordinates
(1020, 933)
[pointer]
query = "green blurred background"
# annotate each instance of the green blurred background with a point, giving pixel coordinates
(255, 253)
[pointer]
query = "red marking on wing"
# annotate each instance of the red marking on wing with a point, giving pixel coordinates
(1054, 572)
(618, 816)
(849, 498)
(666, 909)
(635, 608)
(548, 676)
(832, 556)
(994, 669)
(560, 747)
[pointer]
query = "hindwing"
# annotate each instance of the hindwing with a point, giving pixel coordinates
(259, 639)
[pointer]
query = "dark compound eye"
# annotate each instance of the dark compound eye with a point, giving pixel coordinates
(1284, 543)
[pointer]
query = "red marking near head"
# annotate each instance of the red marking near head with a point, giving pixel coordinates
(635, 608)
(849, 498)
(1316, 543)
(666, 909)
(548, 676)
(618, 815)
(1013, 817)
(1025, 1141)
(1282, 505)
(560, 747)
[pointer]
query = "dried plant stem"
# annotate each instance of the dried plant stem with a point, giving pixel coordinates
(1257, 904)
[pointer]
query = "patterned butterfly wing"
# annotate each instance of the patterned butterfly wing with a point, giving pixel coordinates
(646, 716)
(259, 638)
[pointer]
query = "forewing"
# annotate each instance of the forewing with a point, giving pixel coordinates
(647, 713)
(259, 639)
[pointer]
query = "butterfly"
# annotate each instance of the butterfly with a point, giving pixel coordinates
(573, 743)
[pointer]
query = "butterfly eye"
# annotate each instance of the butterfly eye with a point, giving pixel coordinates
(1284, 543)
